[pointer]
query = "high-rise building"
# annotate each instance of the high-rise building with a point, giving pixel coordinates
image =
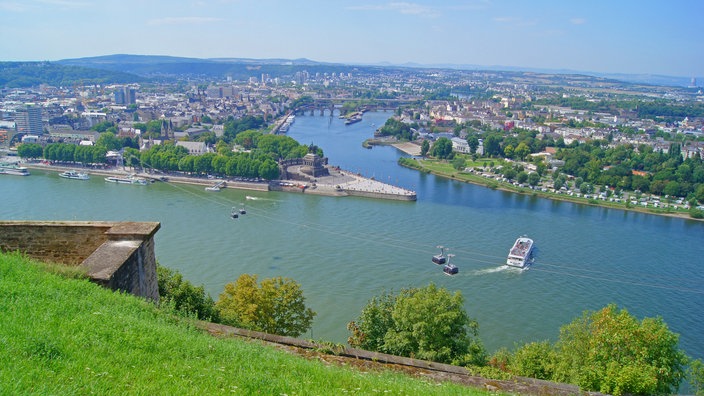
(28, 120)
(126, 96)
(130, 95)
(119, 96)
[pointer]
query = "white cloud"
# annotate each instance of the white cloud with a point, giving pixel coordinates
(182, 21)
(400, 7)
(578, 21)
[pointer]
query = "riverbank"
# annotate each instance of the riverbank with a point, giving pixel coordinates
(505, 186)
(338, 184)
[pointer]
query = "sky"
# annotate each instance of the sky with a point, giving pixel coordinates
(605, 36)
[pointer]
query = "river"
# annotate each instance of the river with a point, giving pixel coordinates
(345, 250)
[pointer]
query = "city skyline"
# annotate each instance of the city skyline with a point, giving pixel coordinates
(632, 37)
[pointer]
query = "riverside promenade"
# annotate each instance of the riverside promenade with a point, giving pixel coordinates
(338, 184)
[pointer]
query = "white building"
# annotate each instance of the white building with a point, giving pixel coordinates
(194, 148)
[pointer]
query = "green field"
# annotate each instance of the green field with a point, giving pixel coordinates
(63, 335)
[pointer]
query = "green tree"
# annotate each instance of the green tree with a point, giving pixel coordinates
(534, 360)
(521, 151)
(473, 143)
(275, 306)
(426, 323)
(610, 351)
(442, 148)
(492, 145)
(696, 376)
(30, 150)
(533, 179)
(109, 141)
(522, 177)
(424, 148)
(509, 151)
(185, 298)
(458, 162)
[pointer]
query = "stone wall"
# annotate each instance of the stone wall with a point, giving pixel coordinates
(117, 255)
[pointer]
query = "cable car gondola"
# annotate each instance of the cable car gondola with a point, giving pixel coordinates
(450, 269)
(440, 258)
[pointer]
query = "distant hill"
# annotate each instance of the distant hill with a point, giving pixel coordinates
(170, 67)
(28, 74)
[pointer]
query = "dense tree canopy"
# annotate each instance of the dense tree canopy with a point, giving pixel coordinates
(442, 148)
(426, 323)
(182, 296)
(396, 128)
(608, 351)
(276, 306)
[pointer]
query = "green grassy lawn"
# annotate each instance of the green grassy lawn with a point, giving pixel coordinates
(62, 335)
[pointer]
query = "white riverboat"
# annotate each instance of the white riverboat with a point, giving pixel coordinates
(13, 169)
(127, 180)
(521, 252)
(72, 174)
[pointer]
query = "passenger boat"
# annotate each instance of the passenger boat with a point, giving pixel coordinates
(440, 258)
(126, 180)
(521, 253)
(13, 169)
(72, 174)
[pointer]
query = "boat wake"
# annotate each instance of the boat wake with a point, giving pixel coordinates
(502, 268)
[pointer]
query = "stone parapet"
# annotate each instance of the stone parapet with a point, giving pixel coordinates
(117, 255)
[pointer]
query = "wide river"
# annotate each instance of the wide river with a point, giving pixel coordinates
(343, 251)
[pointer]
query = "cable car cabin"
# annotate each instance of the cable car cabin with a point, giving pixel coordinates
(440, 258)
(235, 213)
(450, 269)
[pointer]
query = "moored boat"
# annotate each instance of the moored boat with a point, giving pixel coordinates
(126, 180)
(521, 253)
(72, 174)
(13, 169)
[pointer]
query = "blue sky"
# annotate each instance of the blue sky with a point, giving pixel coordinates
(618, 36)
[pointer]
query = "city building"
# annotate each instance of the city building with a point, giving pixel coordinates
(125, 96)
(28, 120)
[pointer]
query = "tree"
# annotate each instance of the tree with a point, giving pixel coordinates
(424, 148)
(492, 145)
(533, 179)
(508, 151)
(109, 141)
(30, 150)
(610, 351)
(696, 375)
(473, 143)
(458, 162)
(277, 306)
(183, 296)
(442, 148)
(522, 151)
(425, 323)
